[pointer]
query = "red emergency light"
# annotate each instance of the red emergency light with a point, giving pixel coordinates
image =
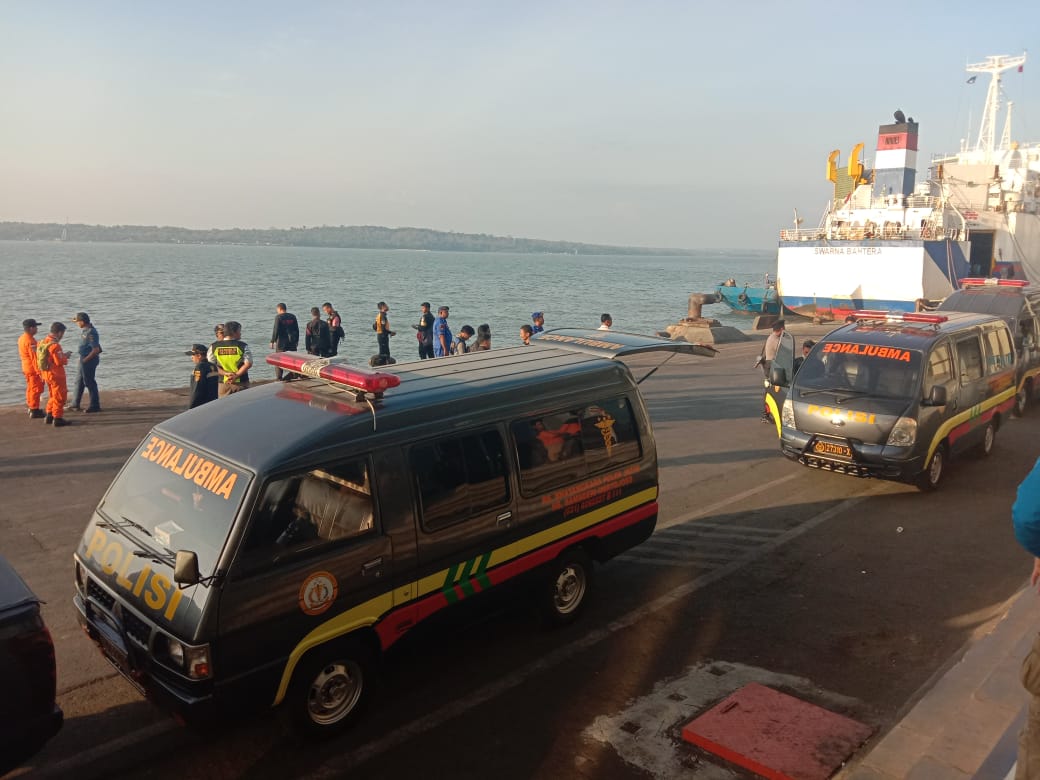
(899, 316)
(339, 373)
(992, 281)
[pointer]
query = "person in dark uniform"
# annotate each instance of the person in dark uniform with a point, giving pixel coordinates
(203, 378)
(285, 337)
(318, 341)
(89, 356)
(335, 323)
(424, 331)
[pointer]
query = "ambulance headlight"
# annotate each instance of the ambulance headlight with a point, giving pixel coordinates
(904, 433)
(787, 414)
(193, 661)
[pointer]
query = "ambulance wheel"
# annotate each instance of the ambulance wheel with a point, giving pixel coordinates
(567, 581)
(1022, 400)
(985, 447)
(930, 478)
(331, 689)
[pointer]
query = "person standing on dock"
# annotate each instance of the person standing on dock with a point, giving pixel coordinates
(233, 359)
(52, 361)
(606, 322)
(424, 331)
(285, 337)
(317, 340)
(441, 334)
(335, 323)
(383, 333)
(89, 357)
(766, 358)
(31, 368)
(538, 322)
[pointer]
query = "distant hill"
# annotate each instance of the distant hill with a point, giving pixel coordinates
(344, 237)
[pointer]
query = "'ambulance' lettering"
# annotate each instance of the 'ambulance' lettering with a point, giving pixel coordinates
(891, 353)
(190, 465)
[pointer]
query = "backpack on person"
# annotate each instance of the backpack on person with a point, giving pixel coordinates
(43, 356)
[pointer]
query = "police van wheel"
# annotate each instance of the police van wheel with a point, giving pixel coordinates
(1021, 401)
(567, 581)
(930, 478)
(985, 447)
(331, 690)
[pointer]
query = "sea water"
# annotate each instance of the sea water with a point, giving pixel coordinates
(150, 302)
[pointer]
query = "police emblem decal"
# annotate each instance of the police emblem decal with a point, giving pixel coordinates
(318, 592)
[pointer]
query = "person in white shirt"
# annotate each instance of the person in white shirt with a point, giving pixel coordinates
(605, 322)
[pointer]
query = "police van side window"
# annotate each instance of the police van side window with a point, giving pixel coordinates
(459, 477)
(565, 446)
(311, 509)
(940, 367)
(969, 359)
(998, 350)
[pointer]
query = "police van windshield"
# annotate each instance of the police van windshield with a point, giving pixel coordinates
(862, 369)
(183, 499)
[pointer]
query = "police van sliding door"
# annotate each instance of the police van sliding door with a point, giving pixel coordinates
(466, 509)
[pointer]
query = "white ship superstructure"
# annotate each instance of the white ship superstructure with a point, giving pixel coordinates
(888, 241)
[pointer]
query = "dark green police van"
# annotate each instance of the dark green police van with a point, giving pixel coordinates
(269, 546)
(896, 395)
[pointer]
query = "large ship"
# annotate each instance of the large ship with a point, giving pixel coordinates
(887, 241)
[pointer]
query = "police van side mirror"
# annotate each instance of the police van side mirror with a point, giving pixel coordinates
(778, 376)
(186, 568)
(937, 396)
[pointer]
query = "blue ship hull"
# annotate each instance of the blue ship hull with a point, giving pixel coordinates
(749, 300)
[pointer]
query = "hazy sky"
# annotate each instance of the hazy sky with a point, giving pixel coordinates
(697, 124)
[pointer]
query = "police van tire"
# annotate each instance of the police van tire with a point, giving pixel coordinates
(930, 478)
(985, 447)
(331, 689)
(565, 585)
(1022, 400)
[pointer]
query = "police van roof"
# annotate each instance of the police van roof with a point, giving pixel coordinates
(281, 422)
(895, 332)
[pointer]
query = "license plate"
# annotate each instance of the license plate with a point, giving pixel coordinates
(116, 654)
(832, 448)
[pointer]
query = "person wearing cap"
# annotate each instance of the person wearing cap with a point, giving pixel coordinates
(52, 361)
(89, 356)
(285, 337)
(232, 358)
(765, 359)
(458, 344)
(538, 320)
(203, 384)
(441, 334)
(335, 323)
(31, 368)
(383, 333)
(424, 331)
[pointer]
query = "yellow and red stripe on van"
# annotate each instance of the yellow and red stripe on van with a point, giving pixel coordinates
(979, 414)
(445, 587)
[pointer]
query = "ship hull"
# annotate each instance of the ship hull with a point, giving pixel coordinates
(835, 277)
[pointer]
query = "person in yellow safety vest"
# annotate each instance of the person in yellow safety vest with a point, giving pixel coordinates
(31, 368)
(383, 333)
(232, 359)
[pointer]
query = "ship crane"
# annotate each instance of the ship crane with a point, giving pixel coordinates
(994, 66)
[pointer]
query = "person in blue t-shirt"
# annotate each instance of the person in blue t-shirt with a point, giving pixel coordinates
(538, 318)
(1025, 514)
(441, 334)
(89, 357)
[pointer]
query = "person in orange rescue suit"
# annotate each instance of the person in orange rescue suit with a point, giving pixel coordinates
(30, 368)
(52, 361)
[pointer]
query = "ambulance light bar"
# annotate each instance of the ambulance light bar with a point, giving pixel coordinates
(899, 316)
(992, 281)
(339, 373)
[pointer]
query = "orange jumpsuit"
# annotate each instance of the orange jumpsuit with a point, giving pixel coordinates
(55, 379)
(33, 380)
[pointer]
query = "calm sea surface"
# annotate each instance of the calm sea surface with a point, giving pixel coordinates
(149, 302)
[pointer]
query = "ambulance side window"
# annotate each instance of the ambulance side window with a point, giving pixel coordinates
(311, 509)
(565, 446)
(459, 477)
(940, 367)
(998, 350)
(969, 359)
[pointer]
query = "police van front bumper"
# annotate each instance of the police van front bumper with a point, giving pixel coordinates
(126, 640)
(865, 460)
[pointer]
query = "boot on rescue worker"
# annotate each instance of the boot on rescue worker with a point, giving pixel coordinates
(52, 361)
(30, 368)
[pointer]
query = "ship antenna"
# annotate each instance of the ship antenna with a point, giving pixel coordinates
(994, 65)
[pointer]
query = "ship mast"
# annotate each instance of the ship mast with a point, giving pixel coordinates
(994, 65)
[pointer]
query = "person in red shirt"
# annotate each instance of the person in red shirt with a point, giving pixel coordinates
(30, 367)
(52, 361)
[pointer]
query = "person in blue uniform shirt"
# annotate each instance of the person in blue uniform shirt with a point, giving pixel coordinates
(89, 357)
(538, 320)
(1025, 516)
(442, 336)
(203, 385)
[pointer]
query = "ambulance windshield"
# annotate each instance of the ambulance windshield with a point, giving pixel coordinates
(184, 500)
(862, 369)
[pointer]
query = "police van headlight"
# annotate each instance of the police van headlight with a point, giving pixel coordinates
(787, 414)
(81, 578)
(904, 433)
(193, 661)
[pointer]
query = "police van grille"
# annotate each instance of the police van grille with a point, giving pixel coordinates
(97, 593)
(852, 469)
(136, 629)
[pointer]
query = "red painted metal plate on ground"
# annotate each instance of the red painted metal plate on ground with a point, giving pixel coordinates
(776, 735)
